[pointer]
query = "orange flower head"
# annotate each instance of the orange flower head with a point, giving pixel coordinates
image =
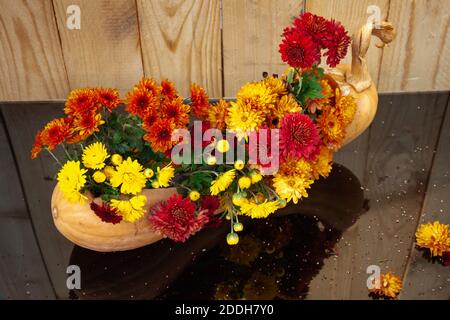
(160, 135)
(390, 286)
(149, 119)
(140, 101)
(109, 98)
(217, 114)
(55, 132)
(168, 89)
(200, 101)
(332, 128)
(80, 101)
(149, 85)
(346, 107)
(88, 124)
(37, 145)
(176, 111)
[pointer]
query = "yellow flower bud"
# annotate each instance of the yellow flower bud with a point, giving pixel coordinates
(223, 146)
(116, 159)
(239, 165)
(155, 184)
(256, 177)
(148, 173)
(194, 195)
(108, 171)
(244, 182)
(237, 227)
(232, 238)
(99, 177)
(238, 198)
(211, 161)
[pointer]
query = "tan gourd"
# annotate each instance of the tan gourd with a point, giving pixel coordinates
(81, 226)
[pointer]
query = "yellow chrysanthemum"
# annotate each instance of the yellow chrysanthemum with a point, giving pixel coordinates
(275, 85)
(71, 179)
(292, 187)
(332, 128)
(285, 105)
(257, 95)
(130, 176)
(389, 286)
(164, 176)
(94, 156)
(321, 167)
(259, 210)
(242, 119)
(222, 182)
(295, 167)
(346, 107)
(435, 237)
(131, 210)
(217, 114)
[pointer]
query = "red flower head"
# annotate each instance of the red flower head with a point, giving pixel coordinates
(140, 101)
(168, 89)
(299, 50)
(55, 132)
(210, 203)
(79, 102)
(313, 25)
(176, 218)
(106, 213)
(88, 123)
(336, 42)
(200, 102)
(299, 137)
(260, 147)
(37, 145)
(160, 135)
(109, 98)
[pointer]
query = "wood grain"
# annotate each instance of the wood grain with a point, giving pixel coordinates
(31, 62)
(22, 122)
(399, 158)
(22, 269)
(181, 41)
(425, 279)
(251, 35)
(419, 57)
(353, 14)
(106, 50)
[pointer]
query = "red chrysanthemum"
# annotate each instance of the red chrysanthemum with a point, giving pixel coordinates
(210, 204)
(299, 137)
(199, 102)
(314, 26)
(168, 89)
(88, 123)
(108, 98)
(160, 135)
(336, 42)
(176, 218)
(106, 213)
(80, 101)
(175, 110)
(299, 50)
(139, 101)
(37, 145)
(55, 132)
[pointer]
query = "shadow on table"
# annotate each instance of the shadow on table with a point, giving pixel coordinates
(276, 258)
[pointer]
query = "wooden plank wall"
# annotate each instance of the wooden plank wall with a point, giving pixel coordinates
(220, 44)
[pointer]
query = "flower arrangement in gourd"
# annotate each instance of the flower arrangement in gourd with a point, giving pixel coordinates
(116, 148)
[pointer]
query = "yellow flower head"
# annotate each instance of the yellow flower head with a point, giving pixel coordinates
(194, 195)
(332, 127)
(389, 286)
(71, 179)
(164, 176)
(131, 210)
(242, 119)
(257, 96)
(222, 182)
(130, 176)
(276, 85)
(435, 237)
(295, 167)
(99, 176)
(94, 156)
(217, 113)
(259, 210)
(322, 166)
(116, 159)
(285, 105)
(255, 176)
(346, 107)
(291, 187)
(239, 164)
(244, 182)
(108, 171)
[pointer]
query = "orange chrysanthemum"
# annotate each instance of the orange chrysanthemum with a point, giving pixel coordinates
(80, 101)
(346, 107)
(200, 102)
(55, 132)
(37, 145)
(332, 128)
(176, 111)
(139, 101)
(149, 119)
(321, 167)
(107, 97)
(160, 135)
(319, 104)
(390, 286)
(88, 124)
(217, 114)
(168, 89)
(149, 85)
(434, 237)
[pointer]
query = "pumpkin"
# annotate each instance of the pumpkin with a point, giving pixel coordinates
(81, 226)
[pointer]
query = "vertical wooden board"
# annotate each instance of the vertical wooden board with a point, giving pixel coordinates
(105, 51)
(251, 35)
(424, 279)
(418, 56)
(22, 122)
(31, 62)
(353, 14)
(23, 273)
(181, 41)
(402, 138)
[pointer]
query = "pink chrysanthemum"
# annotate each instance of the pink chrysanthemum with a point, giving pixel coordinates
(106, 213)
(176, 218)
(299, 137)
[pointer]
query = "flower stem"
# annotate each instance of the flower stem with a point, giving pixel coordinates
(66, 152)
(54, 157)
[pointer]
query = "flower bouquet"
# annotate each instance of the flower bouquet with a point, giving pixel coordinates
(155, 165)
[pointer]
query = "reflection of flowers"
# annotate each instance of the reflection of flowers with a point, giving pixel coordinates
(390, 286)
(260, 287)
(246, 252)
(224, 291)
